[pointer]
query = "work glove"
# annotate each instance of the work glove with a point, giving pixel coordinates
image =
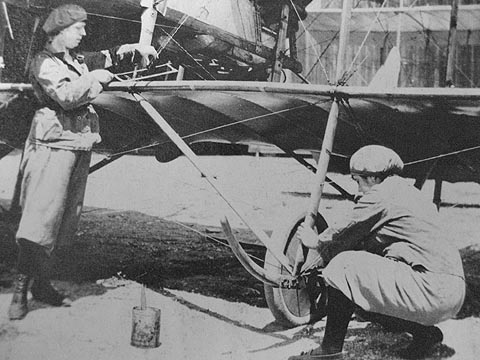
(308, 236)
(144, 53)
(104, 77)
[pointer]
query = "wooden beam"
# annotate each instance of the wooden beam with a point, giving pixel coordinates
(452, 36)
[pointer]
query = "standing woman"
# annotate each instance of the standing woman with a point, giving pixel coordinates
(56, 157)
(392, 260)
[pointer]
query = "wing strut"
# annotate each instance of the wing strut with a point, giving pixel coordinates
(193, 158)
(327, 145)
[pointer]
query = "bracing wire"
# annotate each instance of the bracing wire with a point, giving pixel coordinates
(313, 45)
(366, 36)
(188, 54)
(174, 32)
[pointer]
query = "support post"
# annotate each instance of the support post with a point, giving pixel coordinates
(149, 18)
(180, 73)
(327, 143)
(437, 193)
(276, 74)
(420, 181)
(452, 35)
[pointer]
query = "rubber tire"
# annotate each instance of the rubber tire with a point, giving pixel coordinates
(291, 307)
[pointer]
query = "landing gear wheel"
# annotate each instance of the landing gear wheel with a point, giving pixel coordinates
(293, 307)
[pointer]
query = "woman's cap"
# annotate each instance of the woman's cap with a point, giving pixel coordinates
(375, 160)
(62, 17)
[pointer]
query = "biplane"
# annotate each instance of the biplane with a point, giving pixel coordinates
(214, 83)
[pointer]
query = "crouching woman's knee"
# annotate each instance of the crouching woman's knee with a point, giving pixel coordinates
(340, 264)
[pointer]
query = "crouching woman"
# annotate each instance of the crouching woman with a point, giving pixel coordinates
(392, 260)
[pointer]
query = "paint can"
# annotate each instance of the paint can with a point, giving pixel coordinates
(145, 327)
(145, 324)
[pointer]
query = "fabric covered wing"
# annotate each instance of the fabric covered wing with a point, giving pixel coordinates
(436, 129)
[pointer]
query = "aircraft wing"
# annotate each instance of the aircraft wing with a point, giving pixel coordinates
(434, 126)
(435, 130)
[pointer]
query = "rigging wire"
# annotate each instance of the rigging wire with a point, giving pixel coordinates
(366, 36)
(190, 55)
(456, 152)
(305, 31)
(318, 59)
(174, 32)
(313, 45)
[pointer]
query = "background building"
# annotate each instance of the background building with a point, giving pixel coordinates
(420, 27)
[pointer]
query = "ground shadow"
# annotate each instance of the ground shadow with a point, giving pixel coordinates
(146, 249)
(166, 254)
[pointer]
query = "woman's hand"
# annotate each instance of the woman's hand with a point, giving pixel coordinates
(308, 236)
(147, 53)
(104, 77)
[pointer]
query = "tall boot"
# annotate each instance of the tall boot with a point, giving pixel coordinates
(42, 290)
(18, 307)
(339, 312)
(424, 339)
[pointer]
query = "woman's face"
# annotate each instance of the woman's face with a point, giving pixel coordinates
(72, 35)
(365, 183)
